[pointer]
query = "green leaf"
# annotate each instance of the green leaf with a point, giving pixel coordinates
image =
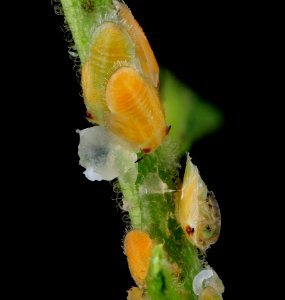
(160, 278)
(191, 117)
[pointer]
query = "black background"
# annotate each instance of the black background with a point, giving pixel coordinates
(70, 232)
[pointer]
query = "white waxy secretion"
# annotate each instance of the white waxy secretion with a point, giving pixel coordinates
(207, 278)
(102, 155)
(152, 184)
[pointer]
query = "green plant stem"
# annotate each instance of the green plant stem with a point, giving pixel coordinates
(80, 16)
(154, 211)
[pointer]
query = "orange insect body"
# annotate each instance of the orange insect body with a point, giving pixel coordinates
(136, 112)
(119, 80)
(143, 50)
(111, 45)
(138, 248)
(135, 293)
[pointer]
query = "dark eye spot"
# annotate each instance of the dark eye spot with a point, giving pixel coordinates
(189, 230)
(167, 129)
(146, 150)
(89, 115)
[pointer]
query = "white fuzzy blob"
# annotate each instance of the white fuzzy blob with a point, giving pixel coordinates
(198, 282)
(92, 175)
(102, 155)
(205, 278)
(152, 184)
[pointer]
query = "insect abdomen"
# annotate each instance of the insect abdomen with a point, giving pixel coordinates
(136, 112)
(144, 52)
(111, 44)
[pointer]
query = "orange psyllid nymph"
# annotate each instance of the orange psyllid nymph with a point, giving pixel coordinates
(143, 50)
(110, 45)
(138, 248)
(136, 113)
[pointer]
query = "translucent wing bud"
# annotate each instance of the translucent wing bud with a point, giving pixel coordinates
(197, 209)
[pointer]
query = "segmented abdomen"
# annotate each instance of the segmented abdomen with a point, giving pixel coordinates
(136, 113)
(143, 50)
(111, 45)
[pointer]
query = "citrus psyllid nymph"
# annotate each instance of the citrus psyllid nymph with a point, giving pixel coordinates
(110, 45)
(197, 209)
(138, 248)
(119, 80)
(143, 50)
(136, 114)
